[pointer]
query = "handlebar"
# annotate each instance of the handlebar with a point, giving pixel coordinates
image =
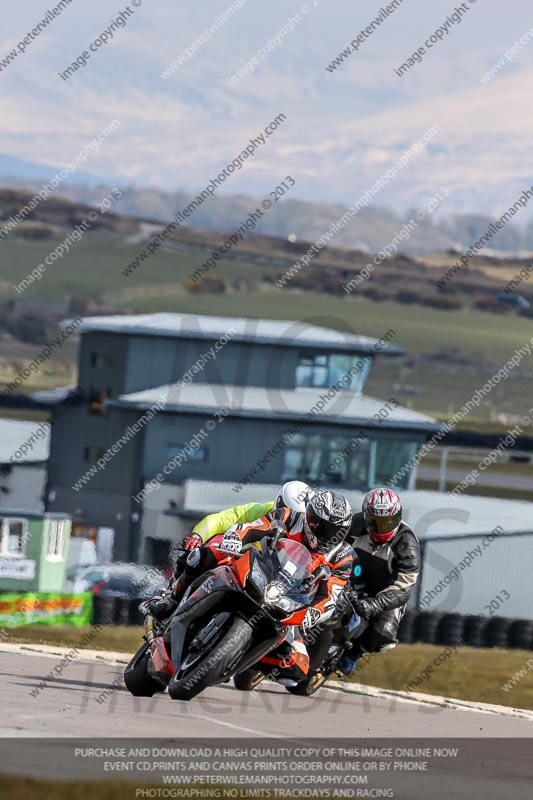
(278, 529)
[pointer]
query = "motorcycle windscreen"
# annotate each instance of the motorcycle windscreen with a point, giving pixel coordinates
(296, 564)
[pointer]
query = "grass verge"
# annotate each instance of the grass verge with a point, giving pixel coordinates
(116, 638)
(14, 788)
(468, 673)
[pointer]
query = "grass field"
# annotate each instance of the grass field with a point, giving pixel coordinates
(93, 268)
(469, 674)
(420, 330)
(27, 789)
(452, 353)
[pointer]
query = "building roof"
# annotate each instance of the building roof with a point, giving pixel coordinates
(260, 331)
(14, 434)
(54, 397)
(43, 399)
(431, 514)
(267, 403)
(16, 512)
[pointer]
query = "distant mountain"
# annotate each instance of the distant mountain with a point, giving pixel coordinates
(57, 216)
(399, 279)
(19, 172)
(369, 231)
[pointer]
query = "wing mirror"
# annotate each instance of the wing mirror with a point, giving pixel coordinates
(323, 573)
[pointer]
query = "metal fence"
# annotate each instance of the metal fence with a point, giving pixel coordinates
(485, 574)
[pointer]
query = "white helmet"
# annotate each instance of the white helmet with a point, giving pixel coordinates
(294, 495)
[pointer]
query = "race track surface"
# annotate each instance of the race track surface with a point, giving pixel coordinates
(89, 700)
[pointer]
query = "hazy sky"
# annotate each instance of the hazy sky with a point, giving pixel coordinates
(343, 128)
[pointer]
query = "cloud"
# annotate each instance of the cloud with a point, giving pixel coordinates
(343, 129)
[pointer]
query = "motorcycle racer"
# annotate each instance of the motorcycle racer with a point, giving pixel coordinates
(293, 495)
(322, 529)
(389, 555)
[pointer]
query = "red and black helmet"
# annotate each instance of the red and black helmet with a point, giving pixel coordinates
(382, 510)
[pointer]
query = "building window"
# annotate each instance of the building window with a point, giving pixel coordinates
(324, 371)
(312, 371)
(81, 531)
(92, 454)
(389, 459)
(13, 536)
(328, 460)
(179, 451)
(97, 398)
(102, 361)
(56, 539)
(353, 461)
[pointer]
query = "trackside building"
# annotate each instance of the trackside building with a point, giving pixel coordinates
(166, 398)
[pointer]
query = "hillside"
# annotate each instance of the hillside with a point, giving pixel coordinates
(368, 231)
(451, 350)
(405, 279)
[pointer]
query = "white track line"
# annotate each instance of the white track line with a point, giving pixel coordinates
(254, 731)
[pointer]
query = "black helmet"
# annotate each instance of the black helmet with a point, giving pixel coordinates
(328, 517)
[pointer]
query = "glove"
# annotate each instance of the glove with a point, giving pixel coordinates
(192, 542)
(366, 608)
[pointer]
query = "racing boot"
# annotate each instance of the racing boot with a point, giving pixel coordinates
(350, 658)
(162, 606)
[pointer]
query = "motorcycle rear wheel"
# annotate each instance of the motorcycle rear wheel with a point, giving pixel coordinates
(138, 680)
(309, 686)
(205, 672)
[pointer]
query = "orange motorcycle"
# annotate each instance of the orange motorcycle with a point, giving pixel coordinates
(228, 619)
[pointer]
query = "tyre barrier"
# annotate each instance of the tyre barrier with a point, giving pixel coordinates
(104, 610)
(450, 629)
(521, 634)
(474, 630)
(136, 617)
(428, 627)
(122, 610)
(116, 611)
(497, 632)
(471, 630)
(407, 629)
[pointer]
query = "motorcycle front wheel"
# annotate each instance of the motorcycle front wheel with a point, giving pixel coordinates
(214, 664)
(137, 678)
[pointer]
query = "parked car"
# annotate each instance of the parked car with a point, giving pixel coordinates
(117, 580)
(517, 301)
